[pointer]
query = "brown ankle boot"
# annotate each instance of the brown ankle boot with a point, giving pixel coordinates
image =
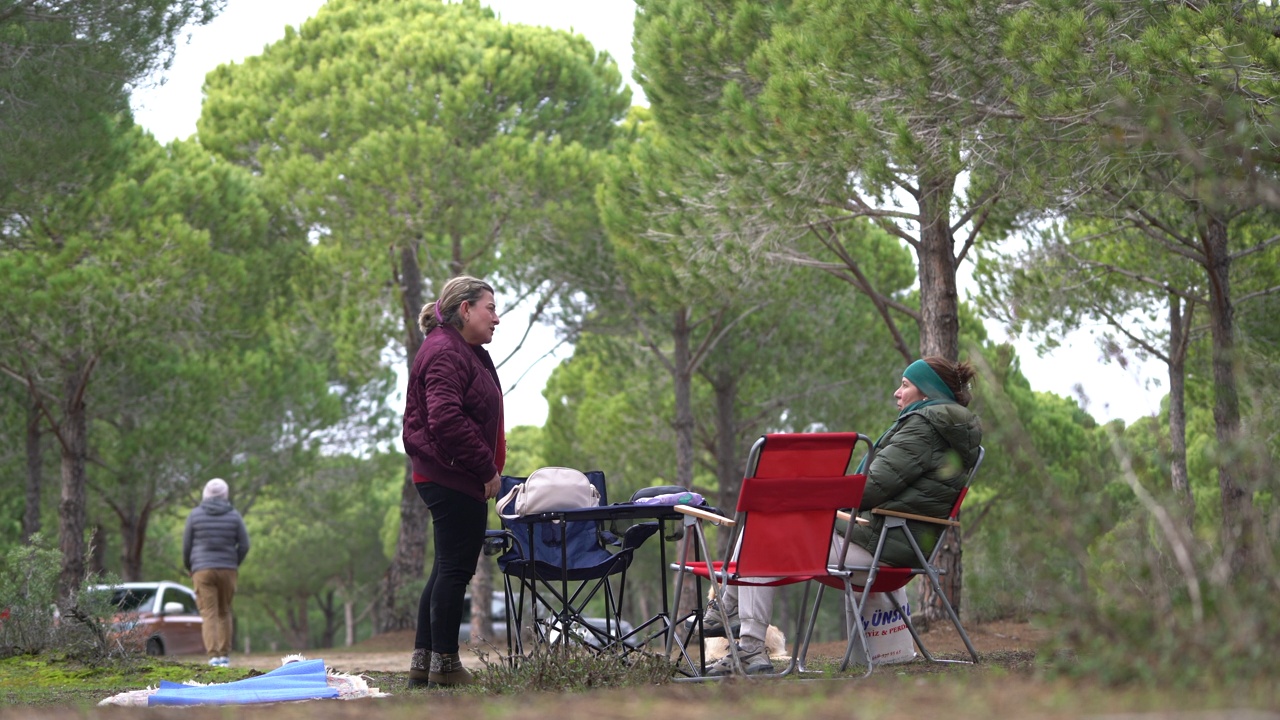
(447, 669)
(419, 672)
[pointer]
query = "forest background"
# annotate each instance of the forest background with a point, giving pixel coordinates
(758, 250)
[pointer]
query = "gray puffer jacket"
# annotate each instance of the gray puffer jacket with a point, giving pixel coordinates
(214, 537)
(919, 467)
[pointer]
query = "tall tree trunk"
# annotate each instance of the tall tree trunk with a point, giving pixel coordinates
(35, 470)
(730, 456)
(133, 536)
(349, 622)
(327, 602)
(939, 335)
(399, 608)
(97, 555)
(399, 611)
(1179, 327)
(682, 377)
(481, 600)
(71, 508)
(299, 630)
(1237, 527)
(939, 299)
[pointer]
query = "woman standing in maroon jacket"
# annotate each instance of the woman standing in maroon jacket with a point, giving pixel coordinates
(453, 434)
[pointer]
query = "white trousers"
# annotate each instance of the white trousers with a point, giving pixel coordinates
(755, 603)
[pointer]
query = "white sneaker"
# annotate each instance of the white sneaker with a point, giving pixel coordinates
(222, 661)
(712, 625)
(754, 662)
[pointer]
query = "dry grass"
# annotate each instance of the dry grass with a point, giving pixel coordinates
(1008, 684)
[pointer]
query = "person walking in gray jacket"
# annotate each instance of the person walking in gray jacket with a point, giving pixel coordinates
(214, 543)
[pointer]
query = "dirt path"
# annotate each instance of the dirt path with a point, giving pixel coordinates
(390, 652)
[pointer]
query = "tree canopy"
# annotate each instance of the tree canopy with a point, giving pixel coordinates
(415, 141)
(66, 67)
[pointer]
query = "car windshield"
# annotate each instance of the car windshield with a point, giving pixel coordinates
(130, 599)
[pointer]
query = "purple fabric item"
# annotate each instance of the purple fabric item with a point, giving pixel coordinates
(681, 498)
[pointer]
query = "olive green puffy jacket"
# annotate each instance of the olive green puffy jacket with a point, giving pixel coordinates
(919, 467)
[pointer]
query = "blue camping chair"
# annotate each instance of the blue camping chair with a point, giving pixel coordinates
(554, 569)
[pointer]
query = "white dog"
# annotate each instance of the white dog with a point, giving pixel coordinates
(775, 643)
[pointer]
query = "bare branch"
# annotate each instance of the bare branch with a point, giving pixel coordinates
(1153, 282)
(1259, 247)
(511, 388)
(1114, 322)
(1259, 293)
(863, 283)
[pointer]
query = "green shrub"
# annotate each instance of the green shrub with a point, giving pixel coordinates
(33, 620)
(572, 669)
(1145, 615)
(28, 592)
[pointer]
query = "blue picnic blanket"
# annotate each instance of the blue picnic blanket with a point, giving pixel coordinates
(303, 680)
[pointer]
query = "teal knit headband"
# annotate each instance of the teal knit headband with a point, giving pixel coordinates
(923, 377)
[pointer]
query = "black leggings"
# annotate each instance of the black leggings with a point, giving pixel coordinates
(459, 522)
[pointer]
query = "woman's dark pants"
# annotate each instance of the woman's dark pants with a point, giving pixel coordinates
(459, 522)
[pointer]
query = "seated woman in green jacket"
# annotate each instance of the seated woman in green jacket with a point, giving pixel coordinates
(919, 467)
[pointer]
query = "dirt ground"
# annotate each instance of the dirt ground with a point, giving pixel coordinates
(390, 652)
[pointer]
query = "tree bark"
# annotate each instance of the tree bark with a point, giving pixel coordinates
(71, 509)
(97, 554)
(35, 471)
(1237, 528)
(133, 536)
(939, 299)
(682, 378)
(1178, 330)
(939, 335)
(349, 622)
(481, 600)
(399, 612)
(729, 455)
(299, 630)
(329, 609)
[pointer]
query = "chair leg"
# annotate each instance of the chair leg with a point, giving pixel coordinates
(808, 633)
(932, 572)
(951, 612)
(693, 540)
(794, 664)
(911, 627)
(736, 659)
(855, 623)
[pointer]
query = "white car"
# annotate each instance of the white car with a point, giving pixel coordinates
(160, 618)
(498, 613)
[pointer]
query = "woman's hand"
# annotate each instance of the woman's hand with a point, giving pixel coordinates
(492, 487)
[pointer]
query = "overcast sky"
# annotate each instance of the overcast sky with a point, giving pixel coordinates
(169, 106)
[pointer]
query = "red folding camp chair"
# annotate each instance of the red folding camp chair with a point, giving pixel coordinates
(785, 519)
(887, 578)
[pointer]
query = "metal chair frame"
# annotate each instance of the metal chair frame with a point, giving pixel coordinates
(795, 484)
(555, 589)
(886, 578)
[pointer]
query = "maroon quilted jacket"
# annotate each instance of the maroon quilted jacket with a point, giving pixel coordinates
(453, 414)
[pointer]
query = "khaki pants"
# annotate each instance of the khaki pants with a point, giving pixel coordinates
(215, 588)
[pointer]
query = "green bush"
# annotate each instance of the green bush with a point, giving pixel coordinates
(28, 593)
(1145, 615)
(34, 622)
(558, 668)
